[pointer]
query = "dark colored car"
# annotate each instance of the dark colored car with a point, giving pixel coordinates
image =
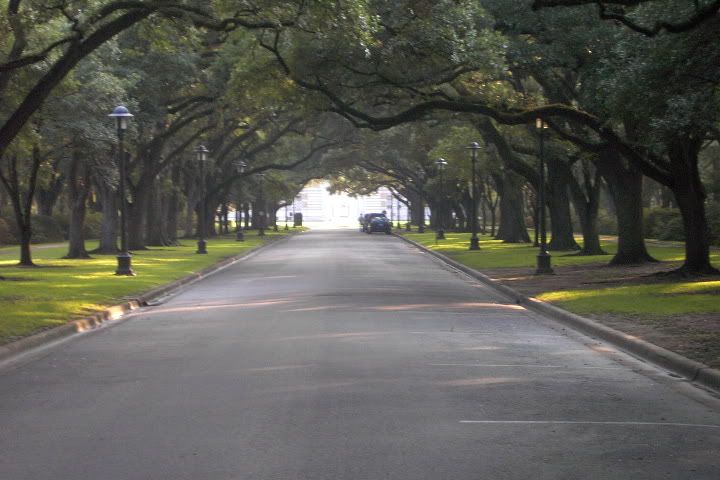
(379, 224)
(365, 222)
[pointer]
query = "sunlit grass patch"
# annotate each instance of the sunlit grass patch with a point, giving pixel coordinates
(497, 254)
(656, 299)
(666, 298)
(59, 289)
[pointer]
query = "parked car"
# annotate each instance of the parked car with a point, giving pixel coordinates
(365, 220)
(380, 224)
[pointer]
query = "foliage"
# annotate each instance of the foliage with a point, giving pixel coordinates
(664, 224)
(6, 236)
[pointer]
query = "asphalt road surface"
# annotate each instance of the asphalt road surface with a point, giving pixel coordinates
(338, 355)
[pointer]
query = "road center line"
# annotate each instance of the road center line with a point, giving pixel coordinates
(579, 422)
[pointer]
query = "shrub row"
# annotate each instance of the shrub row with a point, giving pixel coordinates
(48, 229)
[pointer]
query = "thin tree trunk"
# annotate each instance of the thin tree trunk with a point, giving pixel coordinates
(586, 198)
(22, 201)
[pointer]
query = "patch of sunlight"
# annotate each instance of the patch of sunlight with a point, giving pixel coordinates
(690, 287)
(673, 299)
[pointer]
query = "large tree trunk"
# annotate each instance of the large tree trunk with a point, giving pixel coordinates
(690, 197)
(173, 213)
(137, 215)
(512, 217)
(79, 183)
(559, 177)
(625, 184)
(189, 214)
(157, 221)
(586, 198)
(110, 219)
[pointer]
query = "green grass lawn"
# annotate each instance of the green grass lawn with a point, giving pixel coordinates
(35, 298)
(666, 298)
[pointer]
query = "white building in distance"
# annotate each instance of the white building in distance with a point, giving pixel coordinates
(319, 206)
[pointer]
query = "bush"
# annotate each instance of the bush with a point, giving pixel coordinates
(664, 224)
(607, 223)
(6, 234)
(713, 219)
(46, 229)
(63, 220)
(93, 225)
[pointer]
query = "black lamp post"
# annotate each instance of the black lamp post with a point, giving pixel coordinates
(261, 213)
(440, 234)
(474, 242)
(201, 155)
(124, 260)
(392, 210)
(421, 191)
(286, 216)
(239, 235)
(543, 258)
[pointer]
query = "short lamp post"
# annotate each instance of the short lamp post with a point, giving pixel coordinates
(474, 242)
(287, 227)
(440, 233)
(239, 234)
(544, 263)
(421, 200)
(261, 201)
(391, 205)
(201, 155)
(124, 260)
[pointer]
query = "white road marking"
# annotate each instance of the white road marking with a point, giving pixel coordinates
(580, 422)
(518, 366)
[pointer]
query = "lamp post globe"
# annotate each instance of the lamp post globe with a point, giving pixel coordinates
(440, 233)
(201, 155)
(122, 118)
(474, 242)
(239, 234)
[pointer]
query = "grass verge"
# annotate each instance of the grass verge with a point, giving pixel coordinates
(682, 315)
(33, 299)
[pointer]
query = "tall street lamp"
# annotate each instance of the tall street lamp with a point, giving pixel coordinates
(543, 258)
(421, 191)
(124, 260)
(474, 242)
(440, 233)
(261, 213)
(201, 155)
(239, 235)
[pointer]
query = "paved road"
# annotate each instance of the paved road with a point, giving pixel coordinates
(338, 355)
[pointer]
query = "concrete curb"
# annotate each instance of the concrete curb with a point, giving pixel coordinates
(97, 319)
(690, 369)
